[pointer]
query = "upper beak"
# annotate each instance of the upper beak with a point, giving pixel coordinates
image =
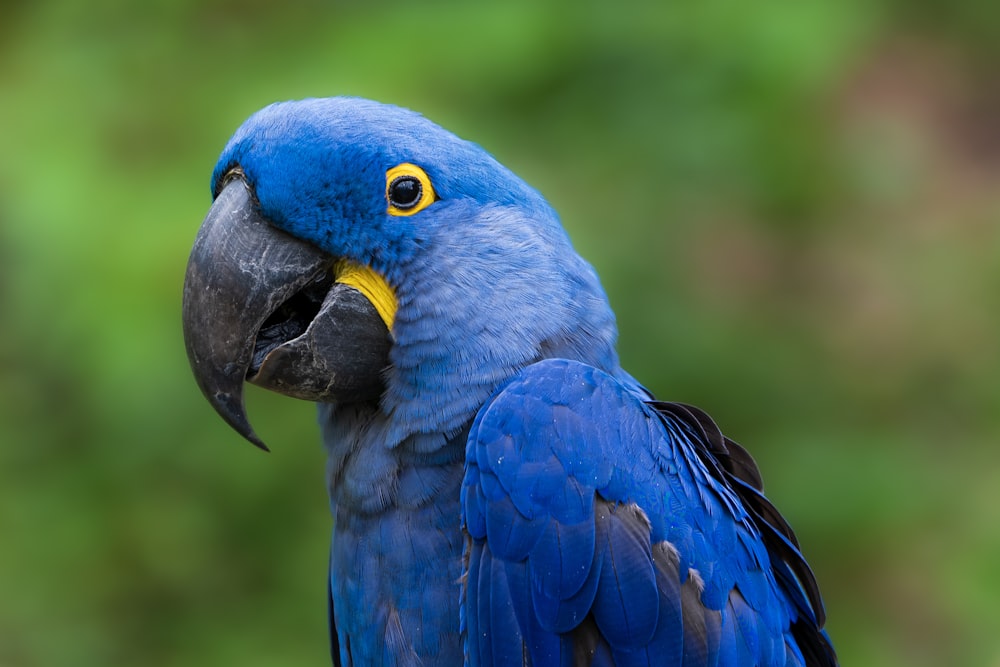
(263, 306)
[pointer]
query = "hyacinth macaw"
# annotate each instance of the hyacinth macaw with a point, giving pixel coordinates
(504, 493)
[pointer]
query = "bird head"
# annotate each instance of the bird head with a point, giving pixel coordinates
(356, 252)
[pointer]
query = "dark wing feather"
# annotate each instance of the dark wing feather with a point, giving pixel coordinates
(732, 465)
(334, 641)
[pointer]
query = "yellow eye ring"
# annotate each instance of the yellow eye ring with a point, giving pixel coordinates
(408, 189)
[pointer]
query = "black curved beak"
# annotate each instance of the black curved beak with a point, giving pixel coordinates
(264, 307)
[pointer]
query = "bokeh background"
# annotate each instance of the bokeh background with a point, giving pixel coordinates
(795, 208)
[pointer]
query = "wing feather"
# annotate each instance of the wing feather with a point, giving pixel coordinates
(606, 529)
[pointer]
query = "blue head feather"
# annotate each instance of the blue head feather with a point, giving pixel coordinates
(486, 278)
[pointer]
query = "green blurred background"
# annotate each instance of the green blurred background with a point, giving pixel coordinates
(795, 208)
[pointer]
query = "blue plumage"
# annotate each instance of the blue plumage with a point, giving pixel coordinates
(512, 496)
(637, 518)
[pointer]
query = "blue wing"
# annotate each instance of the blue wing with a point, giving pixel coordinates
(608, 530)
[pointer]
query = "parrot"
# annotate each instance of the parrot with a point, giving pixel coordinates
(503, 492)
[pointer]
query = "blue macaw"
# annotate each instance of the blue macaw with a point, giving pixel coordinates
(504, 493)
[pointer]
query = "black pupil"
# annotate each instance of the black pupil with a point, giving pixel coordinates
(404, 191)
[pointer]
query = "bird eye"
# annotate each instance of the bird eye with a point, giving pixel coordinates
(408, 189)
(404, 192)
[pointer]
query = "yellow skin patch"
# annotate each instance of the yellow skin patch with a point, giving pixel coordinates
(363, 278)
(409, 171)
(372, 285)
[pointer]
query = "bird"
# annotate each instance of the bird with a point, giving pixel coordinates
(503, 491)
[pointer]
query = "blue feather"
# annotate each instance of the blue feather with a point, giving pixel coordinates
(700, 615)
(626, 607)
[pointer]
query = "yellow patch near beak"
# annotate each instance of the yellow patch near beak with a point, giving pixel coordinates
(372, 285)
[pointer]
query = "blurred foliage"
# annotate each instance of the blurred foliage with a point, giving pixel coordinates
(794, 208)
